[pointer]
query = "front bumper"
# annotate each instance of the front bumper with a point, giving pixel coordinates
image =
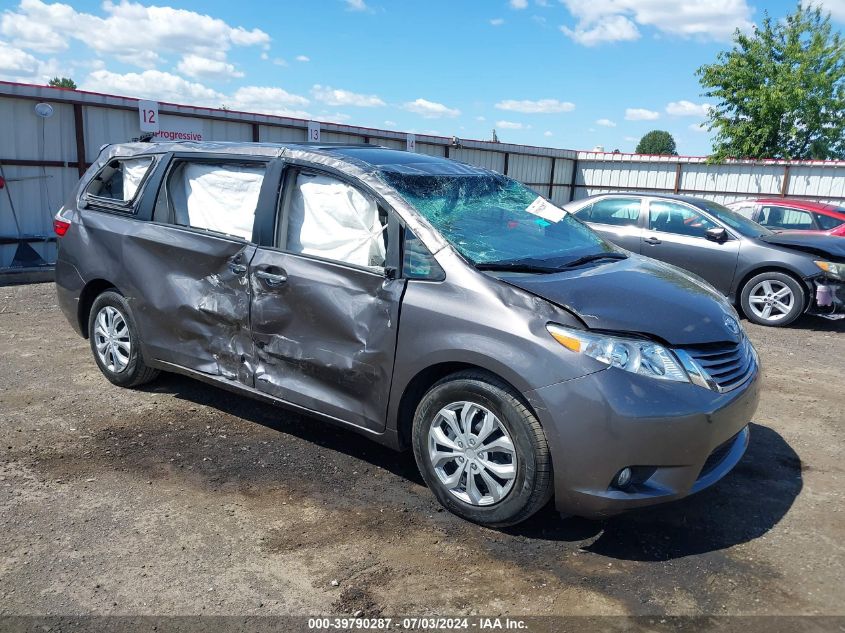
(681, 437)
(828, 298)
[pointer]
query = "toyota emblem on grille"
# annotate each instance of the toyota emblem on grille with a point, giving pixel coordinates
(732, 325)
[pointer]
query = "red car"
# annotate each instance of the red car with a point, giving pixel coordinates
(781, 214)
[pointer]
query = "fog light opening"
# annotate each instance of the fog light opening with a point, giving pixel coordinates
(623, 478)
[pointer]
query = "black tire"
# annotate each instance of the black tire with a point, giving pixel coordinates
(135, 372)
(780, 319)
(532, 484)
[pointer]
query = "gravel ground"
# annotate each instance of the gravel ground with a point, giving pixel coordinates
(182, 499)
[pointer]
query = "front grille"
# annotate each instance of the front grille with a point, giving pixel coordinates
(726, 365)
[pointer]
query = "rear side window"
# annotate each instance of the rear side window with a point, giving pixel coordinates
(212, 196)
(119, 181)
(613, 211)
(827, 222)
(784, 218)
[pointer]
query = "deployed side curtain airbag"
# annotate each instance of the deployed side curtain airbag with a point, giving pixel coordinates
(134, 171)
(220, 198)
(331, 219)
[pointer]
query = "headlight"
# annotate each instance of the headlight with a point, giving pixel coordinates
(636, 356)
(833, 270)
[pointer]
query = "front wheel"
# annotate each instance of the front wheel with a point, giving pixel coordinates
(773, 298)
(115, 341)
(481, 450)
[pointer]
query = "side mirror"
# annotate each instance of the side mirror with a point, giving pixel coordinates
(717, 234)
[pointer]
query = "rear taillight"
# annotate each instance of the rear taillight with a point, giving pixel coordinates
(61, 222)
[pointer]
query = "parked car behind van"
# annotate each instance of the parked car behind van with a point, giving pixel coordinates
(773, 277)
(788, 214)
(421, 302)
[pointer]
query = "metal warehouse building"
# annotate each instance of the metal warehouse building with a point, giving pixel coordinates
(44, 151)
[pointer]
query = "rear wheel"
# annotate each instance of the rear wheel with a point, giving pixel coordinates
(481, 451)
(773, 298)
(115, 342)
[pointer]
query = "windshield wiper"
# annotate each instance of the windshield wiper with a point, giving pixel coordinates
(516, 267)
(593, 258)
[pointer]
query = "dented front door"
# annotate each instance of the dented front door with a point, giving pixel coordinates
(325, 335)
(194, 299)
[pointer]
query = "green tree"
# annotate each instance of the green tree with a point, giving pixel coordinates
(657, 142)
(780, 90)
(63, 82)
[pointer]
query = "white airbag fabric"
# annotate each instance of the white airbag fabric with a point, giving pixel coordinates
(134, 171)
(331, 219)
(221, 199)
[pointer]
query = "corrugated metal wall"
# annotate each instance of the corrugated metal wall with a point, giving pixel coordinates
(41, 164)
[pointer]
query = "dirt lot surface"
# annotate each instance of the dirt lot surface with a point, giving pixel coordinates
(182, 499)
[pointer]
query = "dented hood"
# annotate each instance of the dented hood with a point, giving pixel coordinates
(637, 295)
(809, 242)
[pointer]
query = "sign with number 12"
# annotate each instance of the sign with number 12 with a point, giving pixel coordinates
(148, 114)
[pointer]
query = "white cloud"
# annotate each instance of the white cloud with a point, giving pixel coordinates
(480, 118)
(267, 99)
(618, 20)
(688, 108)
(542, 106)
(612, 28)
(548, 133)
(200, 67)
(518, 4)
(632, 139)
(265, 56)
(356, 5)
(698, 127)
(390, 123)
(303, 58)
(835, 7)
(430, 109)
(606, 123)
(163, 86)
(153, 84)
(17, 63)
(641, 114)
(511, 125)
(497, 21)
(134, 33)
(278, 61)
(337, 97)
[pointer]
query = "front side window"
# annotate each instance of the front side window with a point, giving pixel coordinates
(671, 217)
(119, 181)
(212, 196)
(332, 219)
(737, 222)
(615, 212)
(785, 218)
(827, 222)
(491, 219)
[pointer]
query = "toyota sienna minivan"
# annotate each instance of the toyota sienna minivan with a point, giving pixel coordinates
(420, 301)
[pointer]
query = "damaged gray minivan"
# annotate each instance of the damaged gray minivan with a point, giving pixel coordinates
(420, 301)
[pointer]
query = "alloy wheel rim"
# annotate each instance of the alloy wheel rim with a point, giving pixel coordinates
(472, 453)
(771, 300)
(112, 339)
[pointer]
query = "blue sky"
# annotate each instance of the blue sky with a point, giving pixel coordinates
(561, 73)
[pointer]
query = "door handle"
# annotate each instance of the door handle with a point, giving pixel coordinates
(271, 279)
(652, 240)
(238, 269)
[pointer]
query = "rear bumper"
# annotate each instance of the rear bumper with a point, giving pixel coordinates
(69, 285)
(678, 438)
